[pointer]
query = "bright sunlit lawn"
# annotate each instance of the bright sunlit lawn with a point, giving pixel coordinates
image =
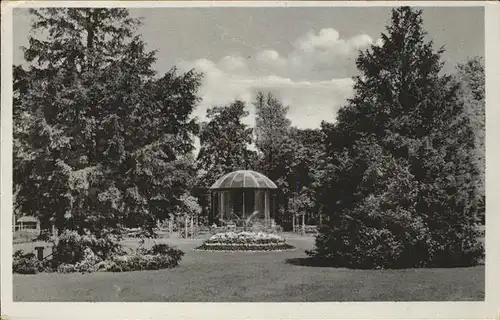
(254, 277)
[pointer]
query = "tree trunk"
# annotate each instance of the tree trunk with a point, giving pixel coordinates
(59, 223)
(192, 228)
(303, 224)
(170, 226)
(196, 225)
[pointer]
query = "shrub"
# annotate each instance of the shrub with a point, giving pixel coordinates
(370, 238)
(76, 253)
(89, 263)
(383, 225)
(145, 260)
(456, 247)
(66, 268)
(83, 253)
(164, 257)
(72, 248)
(26, 263)
(165, 250)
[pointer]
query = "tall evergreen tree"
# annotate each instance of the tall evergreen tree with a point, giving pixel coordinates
(98, 136)
(400, 191)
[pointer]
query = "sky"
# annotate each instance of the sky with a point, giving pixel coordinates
(305, 56)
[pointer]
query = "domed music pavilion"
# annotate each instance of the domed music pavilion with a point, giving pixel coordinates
(243, 198)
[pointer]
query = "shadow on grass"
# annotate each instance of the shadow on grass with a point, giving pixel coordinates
(312, 262)
(328, 263)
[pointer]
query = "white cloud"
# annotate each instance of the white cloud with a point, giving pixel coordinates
(307, 78)
(327, 48)
(233, 64)
(360, 42)
(379, 42)
(326, 39)
(271, 57)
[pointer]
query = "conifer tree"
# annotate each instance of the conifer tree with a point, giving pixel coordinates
(99, 137)
(401, 191)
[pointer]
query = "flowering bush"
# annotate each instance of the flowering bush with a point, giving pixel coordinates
(245, 241)
(72, 248)
(66, 268)
(138, 261)
(82, 253)
(164, 249)
(26, 263)
(158, 257)
(89, 262)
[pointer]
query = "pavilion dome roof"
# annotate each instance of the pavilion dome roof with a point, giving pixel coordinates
(244, 179)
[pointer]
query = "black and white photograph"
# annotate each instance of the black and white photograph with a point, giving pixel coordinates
(246, 154)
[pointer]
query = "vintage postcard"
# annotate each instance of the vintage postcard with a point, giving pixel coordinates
(256, 160)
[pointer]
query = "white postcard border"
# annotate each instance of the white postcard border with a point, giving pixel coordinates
(334, 310)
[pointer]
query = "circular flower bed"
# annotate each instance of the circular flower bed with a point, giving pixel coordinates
(245, 241)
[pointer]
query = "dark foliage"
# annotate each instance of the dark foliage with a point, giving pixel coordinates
(99, 139)
(26, 263)
(400, 183)
(224, 141)
(289, 156)
(165, 250)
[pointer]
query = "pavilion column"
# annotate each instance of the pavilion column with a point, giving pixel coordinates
(211, 208)
(266, 208)
(273, 207)
(243, 212)
(228, 207)
(221, 205)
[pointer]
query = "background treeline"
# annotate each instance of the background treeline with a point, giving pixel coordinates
(101, 142)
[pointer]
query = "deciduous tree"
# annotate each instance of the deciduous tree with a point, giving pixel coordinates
(225, 142)
(471, 77)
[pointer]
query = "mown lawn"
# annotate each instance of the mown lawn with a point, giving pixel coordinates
(254, 277)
